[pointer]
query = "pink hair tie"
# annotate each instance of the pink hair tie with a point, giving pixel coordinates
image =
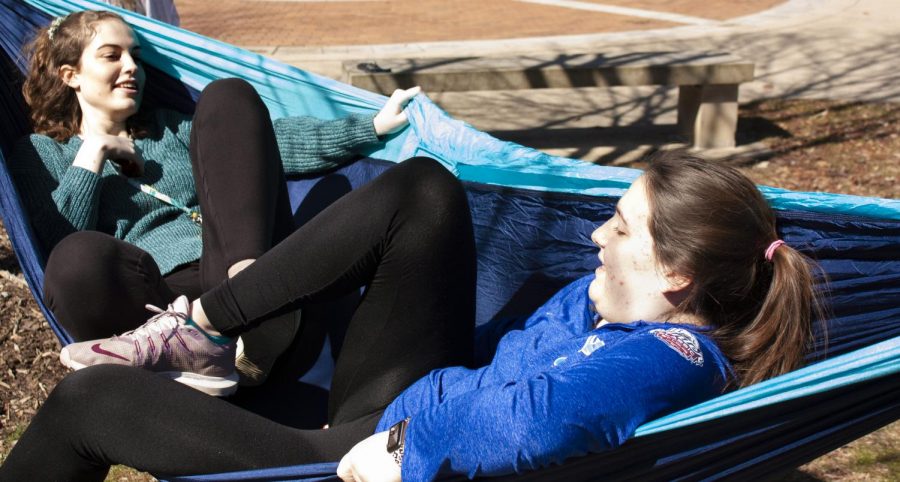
(771, 249)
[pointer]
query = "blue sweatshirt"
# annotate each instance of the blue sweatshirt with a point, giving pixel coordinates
(557, 388)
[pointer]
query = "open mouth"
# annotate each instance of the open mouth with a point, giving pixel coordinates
(129, 85)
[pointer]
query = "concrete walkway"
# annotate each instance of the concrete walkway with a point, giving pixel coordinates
(803, 48)
(837, 49)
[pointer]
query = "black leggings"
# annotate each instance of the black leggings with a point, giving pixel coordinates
(97, 285)
(406, 236)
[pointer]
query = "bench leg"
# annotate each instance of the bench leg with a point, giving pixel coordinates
(707, 114)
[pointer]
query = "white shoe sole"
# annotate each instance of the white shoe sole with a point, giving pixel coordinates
(215, 386)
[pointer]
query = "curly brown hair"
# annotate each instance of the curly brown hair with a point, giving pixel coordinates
(55, 111)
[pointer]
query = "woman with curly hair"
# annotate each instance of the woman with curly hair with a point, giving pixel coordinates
(115, 188)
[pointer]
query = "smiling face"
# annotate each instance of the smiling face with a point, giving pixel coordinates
(630, 285)
(109, 81)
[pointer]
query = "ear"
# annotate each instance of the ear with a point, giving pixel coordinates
(677, 282)
(69, 76)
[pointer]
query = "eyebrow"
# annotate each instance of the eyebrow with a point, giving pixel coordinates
(133, 48)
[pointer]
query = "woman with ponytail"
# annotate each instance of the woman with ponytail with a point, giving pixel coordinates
(694, 295)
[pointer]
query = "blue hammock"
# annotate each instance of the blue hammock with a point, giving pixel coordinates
(533, 214)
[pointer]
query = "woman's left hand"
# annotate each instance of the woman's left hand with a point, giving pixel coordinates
(391, 117)
(369, 461)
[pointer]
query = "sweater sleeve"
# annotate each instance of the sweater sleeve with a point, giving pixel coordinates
(59, 198)
(526, 424)
(308, 144)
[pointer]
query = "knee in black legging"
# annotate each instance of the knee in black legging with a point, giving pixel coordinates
(226, 93)
(82, 257)
(79, 253)
(432, 187)
(90, 273)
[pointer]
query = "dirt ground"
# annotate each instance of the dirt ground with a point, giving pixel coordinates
(843, 147)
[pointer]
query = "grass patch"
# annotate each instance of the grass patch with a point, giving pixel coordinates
(9, 440)
(864, 458)
(121, 473)
(15, 434)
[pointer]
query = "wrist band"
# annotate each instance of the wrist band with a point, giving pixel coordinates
(397, 441)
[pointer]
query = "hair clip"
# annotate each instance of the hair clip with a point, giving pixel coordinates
(54, 26)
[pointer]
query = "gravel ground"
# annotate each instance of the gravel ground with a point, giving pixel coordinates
(843, 147)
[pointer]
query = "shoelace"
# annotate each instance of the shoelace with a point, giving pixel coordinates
(167, 319)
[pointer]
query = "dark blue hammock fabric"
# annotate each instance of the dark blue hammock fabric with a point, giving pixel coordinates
(533, 216)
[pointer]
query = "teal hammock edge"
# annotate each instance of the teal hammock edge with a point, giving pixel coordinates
(469, 153)
(875, 361)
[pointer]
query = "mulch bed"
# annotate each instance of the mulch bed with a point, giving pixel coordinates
(29, 364)
(840, 147)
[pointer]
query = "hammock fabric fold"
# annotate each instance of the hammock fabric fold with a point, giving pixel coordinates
(533, 214)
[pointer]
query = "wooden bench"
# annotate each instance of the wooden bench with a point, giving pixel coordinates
(708, 82)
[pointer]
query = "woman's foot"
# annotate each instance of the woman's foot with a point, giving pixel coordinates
(261, 346)
(169, 344)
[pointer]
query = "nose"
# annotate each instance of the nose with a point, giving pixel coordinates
(129, 64)
(599, 236)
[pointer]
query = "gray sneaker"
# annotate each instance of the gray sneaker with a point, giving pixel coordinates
(169, 344)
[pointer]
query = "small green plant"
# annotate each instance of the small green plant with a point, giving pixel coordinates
(882, 461)
(864, 457)
(9, 440)
(121, 473)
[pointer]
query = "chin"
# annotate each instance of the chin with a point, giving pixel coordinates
(595, 295)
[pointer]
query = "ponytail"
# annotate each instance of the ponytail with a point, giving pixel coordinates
(776, 340)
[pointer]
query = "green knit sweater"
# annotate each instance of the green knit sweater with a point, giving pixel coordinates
(61, 199)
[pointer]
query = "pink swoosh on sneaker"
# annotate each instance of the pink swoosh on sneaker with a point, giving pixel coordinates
(97, 349)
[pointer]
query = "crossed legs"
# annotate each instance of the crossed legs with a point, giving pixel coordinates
(406, 236)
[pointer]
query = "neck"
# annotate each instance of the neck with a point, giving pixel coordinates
(679, 318)
(104, 128)
(93, 123)
(686, 319)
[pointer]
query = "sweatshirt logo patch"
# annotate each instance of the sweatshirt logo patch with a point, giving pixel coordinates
(592, 344)
(683, 342)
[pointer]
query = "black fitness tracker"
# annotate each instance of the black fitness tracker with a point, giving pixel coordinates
(396, 440)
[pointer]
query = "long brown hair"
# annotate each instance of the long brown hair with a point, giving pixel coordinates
(55, 111)
(709, 222)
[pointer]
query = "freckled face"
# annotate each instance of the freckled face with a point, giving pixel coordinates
(109, 79)
(629, 285)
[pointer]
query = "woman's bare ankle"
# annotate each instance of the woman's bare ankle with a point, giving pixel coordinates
(199, 317)
(239, 266)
